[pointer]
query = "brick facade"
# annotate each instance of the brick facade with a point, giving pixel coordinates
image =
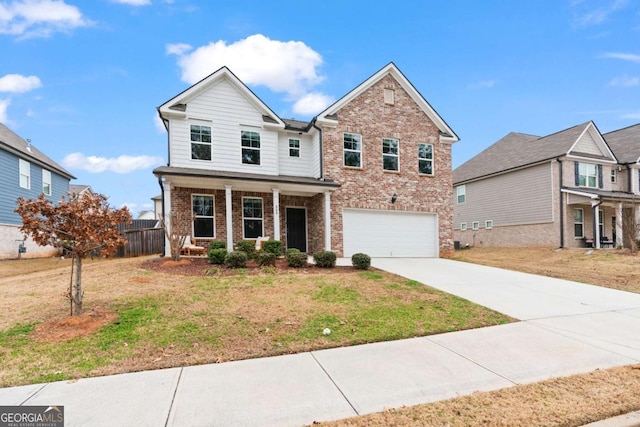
(370, 186)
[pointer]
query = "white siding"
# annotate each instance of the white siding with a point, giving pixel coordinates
(228, 112)
(588, 145)
(297, 166)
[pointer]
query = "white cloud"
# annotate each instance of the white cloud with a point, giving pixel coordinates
(17, 83)
(632, 57)
(624, 81)
(634, 116)
(4, 104)
(484, 84)
(285, 67)
(312, 103)
(595, 16)
(122, 164)
(39, 18)
(133, 2)
(178, 49)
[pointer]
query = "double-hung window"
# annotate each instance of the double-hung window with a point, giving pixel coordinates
(252, 217)
(461, 194)
(390, 154)
(25, 174)
(250, 147)
(46, 182)
(425, 159)
(578, 223)
(200, 142)
(294, 147)
(203, 216)
(352, 144)
(587, 175)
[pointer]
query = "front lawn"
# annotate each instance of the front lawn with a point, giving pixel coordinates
(139, 318)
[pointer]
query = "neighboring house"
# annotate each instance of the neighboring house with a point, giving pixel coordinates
(146, 215)
(371, 173)
(574, 188)
(80, 189)
(157, 206)
(25, 172)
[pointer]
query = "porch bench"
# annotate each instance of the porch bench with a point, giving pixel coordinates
(605, 241)
(190, 248)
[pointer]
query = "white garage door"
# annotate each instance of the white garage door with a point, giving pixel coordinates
(389, 233)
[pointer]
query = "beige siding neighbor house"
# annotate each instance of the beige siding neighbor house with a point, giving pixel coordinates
(371, 173)
(574, 188)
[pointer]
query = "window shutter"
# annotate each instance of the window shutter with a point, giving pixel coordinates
(599, 176)
(576, 167)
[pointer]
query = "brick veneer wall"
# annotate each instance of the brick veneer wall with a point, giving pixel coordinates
(371, 187)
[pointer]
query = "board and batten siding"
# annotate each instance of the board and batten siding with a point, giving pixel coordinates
(10, 188)
(519, 197)
(228, 112)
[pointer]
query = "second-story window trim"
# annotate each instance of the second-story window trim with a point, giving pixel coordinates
(390, 157)
(425, 159)
(461, 194)
(250, 142)
(200, 142)
(294, 147)
(352, 146)
(25, 174)
(46, 182)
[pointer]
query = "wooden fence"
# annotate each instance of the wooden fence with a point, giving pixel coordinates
(147, 241)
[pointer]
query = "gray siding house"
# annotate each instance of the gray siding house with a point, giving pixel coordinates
(573, 188)
(25, 172)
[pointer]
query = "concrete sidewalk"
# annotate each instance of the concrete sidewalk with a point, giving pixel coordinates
(567, 328)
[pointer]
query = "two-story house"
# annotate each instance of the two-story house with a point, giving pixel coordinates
(371, 173)
(25, 172)
(574, 188)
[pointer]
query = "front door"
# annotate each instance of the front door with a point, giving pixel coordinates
(297, 228)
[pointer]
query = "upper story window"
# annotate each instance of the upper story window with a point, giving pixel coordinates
(614, 176)
(294, 147)
(390, 154)
(425, 159)
(25, 174)
(203, 215)
(352, 150)
(252, 217)
(200, 142)
(461, 194)
(46, 182)
(587, 175)
(250, 147)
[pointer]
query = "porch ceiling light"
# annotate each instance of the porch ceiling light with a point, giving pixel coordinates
(394, 198)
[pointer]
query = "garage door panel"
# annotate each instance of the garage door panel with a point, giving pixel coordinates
(389, 233)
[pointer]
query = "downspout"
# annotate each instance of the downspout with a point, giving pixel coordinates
(164, 241)
(561, 204)
(313, 123)
(629, 179)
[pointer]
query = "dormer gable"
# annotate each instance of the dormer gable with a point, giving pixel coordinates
(330, 116)
(177, 107)
(591, 145)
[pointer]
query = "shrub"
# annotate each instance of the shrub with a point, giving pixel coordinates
(296, 259)
(292, 251)
(217, 255)
(217, 244)
(325, 259)
(236, 259)
(247, 246)
(273, 246)
(265, 258)
(361, 261)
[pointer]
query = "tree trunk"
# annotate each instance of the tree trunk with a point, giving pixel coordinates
(77, 297)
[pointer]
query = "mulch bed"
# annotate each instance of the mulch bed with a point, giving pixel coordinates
(201, 267)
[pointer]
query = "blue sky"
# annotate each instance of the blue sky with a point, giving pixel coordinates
(82, 79)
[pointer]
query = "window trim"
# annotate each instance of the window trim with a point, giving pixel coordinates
(463, 226)
(488, 224)
(475, 225)
(580, 223)
(194, 216)
(24, 170)
(614, 176)
(462, 194)
(294, 149)
(249, 147)
(350, 150)
(586, 175)
(46, 191)
(244, 235)
(201, 143)
(424, 159)
(396, 155)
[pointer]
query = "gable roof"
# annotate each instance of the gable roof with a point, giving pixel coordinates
(10, 141)
(516, 150)
(446, 132)
(625, 143)
(177, 105)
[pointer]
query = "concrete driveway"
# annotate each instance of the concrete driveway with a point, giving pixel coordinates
(566, 328)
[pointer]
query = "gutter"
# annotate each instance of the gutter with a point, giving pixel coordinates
(166, 126)
(313, 123)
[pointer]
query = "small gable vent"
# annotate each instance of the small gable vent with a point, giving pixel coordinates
(389, 96)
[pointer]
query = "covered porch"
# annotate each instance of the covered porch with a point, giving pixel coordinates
(236, 206)
(603, 219)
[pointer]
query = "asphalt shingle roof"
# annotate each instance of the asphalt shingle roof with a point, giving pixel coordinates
(625, 143)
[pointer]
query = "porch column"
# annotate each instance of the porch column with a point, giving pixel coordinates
(166, 217)
(619, 236)
(327, 220)
(596, 228)
(636, 210)
(229, 217)
(276, 213)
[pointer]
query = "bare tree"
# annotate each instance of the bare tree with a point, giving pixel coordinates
(177, 230)
(631, 229)
(83, 225)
